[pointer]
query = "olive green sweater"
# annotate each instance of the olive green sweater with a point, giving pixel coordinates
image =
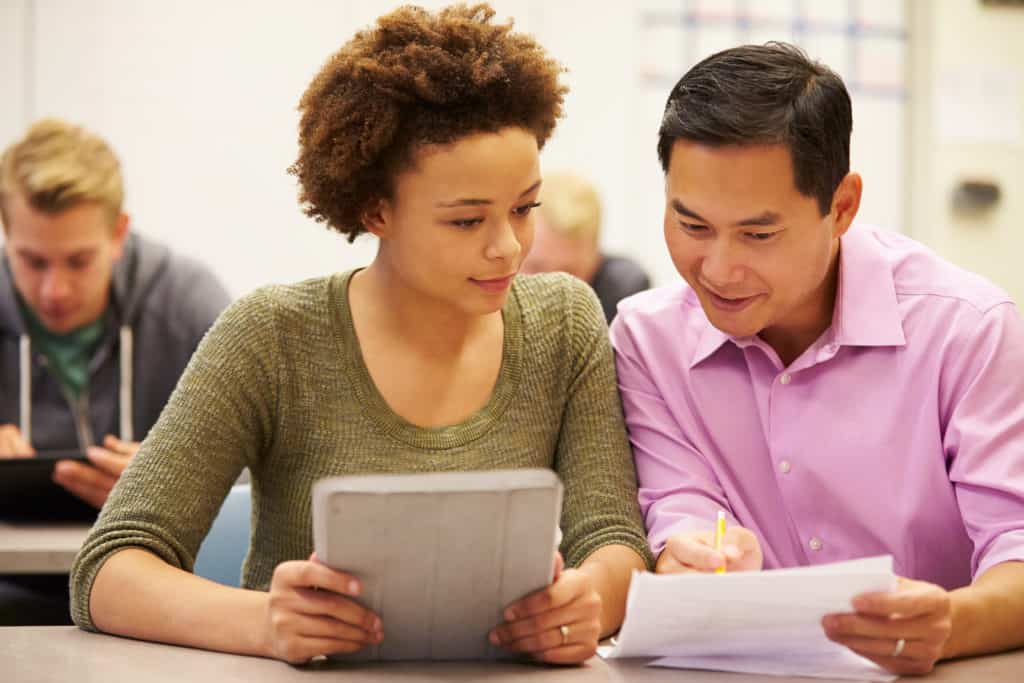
(279, 385)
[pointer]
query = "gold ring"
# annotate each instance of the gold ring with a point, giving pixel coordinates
(898, 650)
(564, 630)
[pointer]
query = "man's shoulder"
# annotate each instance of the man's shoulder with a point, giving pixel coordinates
(919, 272)
(156, 261)
(669, 311)
(621, 268)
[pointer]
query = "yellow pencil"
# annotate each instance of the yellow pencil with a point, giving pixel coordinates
(719, 536)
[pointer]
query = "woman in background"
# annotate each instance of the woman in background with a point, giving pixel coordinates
(424, 131)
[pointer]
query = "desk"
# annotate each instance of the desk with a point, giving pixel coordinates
(40, 548)
(64, 653)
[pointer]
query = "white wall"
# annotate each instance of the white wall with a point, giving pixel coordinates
(199, 99)
(962, 42)
(13, 111)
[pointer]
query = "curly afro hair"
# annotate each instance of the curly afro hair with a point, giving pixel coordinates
(415, 78)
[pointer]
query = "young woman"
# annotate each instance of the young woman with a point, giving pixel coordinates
(424, 131)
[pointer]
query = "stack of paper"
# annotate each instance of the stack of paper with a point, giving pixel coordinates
(754, 622)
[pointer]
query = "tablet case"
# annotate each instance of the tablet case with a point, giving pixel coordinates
(27, 491)
(440, 555)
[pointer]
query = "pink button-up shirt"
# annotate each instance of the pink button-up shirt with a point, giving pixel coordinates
(900, 430)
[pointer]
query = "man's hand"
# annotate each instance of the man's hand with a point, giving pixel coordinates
(92, 483)
(12, 443)
(694, 551)
(904, 631)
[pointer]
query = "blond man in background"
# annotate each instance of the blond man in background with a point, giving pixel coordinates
(96, 323)
(567, 239)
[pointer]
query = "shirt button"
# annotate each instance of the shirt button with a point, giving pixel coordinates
(785, 378)
(784, 466)
(815, 543)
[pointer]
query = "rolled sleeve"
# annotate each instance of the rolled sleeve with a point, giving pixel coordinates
(984, 437)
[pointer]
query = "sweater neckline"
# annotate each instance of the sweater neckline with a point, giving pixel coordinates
(376, 408)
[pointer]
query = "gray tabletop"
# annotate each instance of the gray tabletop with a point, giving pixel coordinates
(39, 548)
(57, 653)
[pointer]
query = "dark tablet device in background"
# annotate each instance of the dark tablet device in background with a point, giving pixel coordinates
(28, 493)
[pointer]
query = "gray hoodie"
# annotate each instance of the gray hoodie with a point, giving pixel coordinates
(161, 306)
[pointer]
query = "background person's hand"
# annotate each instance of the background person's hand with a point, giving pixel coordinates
(534, 625)
(310, 613)
(904, 631)
(12, 443)
(694, 551)
(92, 482)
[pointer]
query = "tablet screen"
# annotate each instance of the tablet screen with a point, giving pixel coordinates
(27, 490)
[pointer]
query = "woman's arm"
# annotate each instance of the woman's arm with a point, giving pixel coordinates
(137, 594)
(307, 611)
(610, 569)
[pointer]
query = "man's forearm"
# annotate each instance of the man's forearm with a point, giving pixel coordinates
(988, 615)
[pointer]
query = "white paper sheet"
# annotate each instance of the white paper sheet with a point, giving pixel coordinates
(756, 622)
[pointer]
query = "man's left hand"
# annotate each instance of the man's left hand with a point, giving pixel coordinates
(904, 631)
(92, 482)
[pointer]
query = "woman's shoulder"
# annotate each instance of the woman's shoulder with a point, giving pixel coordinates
(306, 299)
(558, 300)
(554, 292)
(559, 305)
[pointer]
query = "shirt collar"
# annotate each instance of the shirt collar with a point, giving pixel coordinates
(866, 311)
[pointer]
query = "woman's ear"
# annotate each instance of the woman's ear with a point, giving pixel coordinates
(376, 217)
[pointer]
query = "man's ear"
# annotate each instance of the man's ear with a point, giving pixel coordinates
(845, 203)
(376, 217)
(120, 234)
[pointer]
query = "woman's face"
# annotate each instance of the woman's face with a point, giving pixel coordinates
(460, 222)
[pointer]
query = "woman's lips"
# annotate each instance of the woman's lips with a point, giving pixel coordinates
(494, 286)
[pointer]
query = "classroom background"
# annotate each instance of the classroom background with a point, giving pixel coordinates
(199, 100)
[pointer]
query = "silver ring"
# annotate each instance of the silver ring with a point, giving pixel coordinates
(898, 650)
(564, 630)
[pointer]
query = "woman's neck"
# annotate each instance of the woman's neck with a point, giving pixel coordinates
(383, 299)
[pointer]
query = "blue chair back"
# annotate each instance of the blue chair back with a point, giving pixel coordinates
(223, 550)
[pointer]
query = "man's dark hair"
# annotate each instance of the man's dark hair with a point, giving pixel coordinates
(766, 94)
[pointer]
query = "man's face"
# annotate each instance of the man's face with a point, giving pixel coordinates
(755, 250)
(62, 263)
(554, 251)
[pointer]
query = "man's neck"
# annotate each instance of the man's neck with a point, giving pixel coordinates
(792, 338)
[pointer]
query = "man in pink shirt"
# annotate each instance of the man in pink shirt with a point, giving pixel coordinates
(839, 391)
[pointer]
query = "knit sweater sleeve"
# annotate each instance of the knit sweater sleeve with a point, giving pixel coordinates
(218, 420)
(593, 456)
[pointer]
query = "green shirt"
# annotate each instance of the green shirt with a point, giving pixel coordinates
(279, 385)
(67, 355)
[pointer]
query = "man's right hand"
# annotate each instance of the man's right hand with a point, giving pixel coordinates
(12, 443)
(694, 551)
(310, 612)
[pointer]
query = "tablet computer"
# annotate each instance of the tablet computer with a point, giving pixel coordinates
(27, 490)
(440, 554)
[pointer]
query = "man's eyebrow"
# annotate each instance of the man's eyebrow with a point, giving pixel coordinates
(763, 218)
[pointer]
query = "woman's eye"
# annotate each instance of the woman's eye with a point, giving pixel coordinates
(466, 222)
(525, 209)
(761, 236)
